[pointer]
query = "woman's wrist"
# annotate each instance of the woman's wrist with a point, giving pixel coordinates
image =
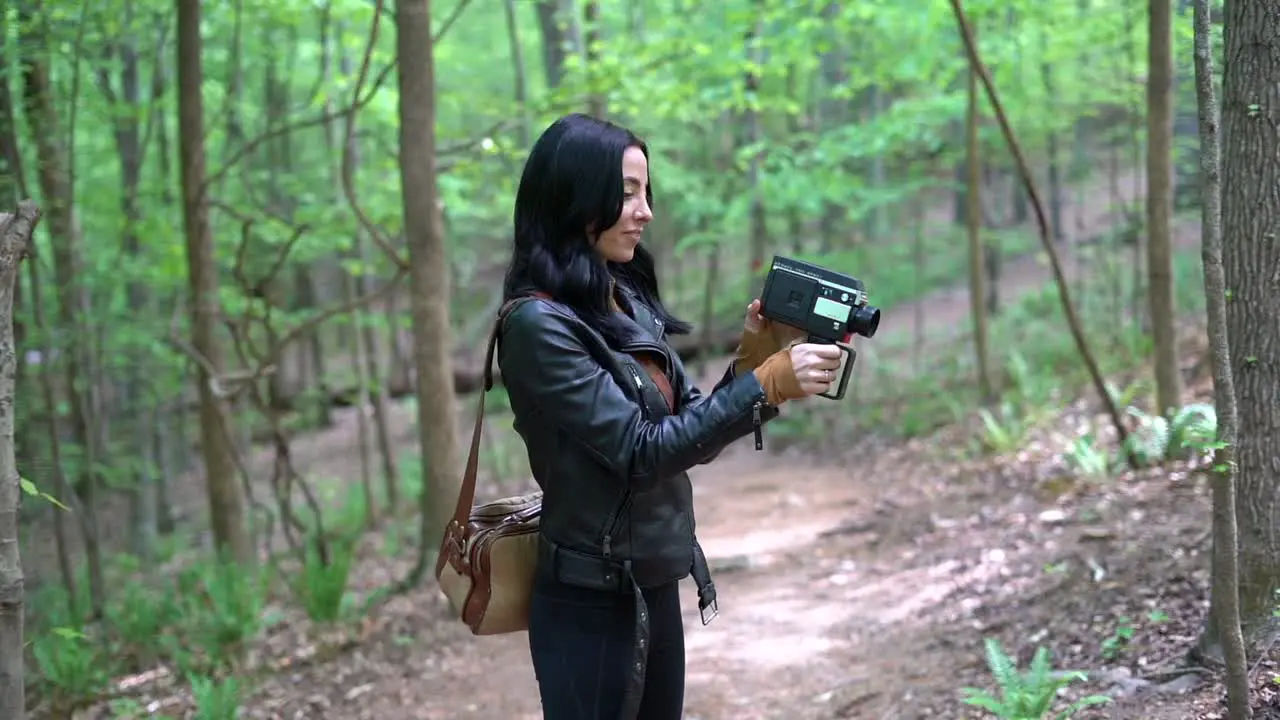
(778, 378)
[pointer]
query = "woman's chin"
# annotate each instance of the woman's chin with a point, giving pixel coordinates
(620, 255)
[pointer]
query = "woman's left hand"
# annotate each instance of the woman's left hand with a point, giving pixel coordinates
(762, 338)
(782, 335)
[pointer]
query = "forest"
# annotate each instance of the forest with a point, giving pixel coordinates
(238, 378)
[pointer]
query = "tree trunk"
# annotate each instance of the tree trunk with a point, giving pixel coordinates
(597, 99)
(429, 267)
(753, 134)
(15, 238)
(1225, 592)
(125, 99)
(1251, 265)
(376, 364)
(977, 263)
(53, 171)
(1160, 204)
(523, 129)
(226, 506)
(554, 39)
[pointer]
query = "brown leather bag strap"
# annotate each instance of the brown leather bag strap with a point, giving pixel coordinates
(467, 493)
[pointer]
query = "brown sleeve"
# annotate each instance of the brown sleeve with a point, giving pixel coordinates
(753, 349)
(778, 378)
(756, 347)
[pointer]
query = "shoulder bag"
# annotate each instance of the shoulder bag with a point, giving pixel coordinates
(488, 552)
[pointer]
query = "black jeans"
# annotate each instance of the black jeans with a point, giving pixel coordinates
(581, 643)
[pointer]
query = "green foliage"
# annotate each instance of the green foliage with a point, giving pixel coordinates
(1115, 644)
(30, 488)
(1006, 432)
(1189, 429)
(1029, 694)
(224, 604)
(70, 664)
(1085, 455)
(216, 699)
(322, 585)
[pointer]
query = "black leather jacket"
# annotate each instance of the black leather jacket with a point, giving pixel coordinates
(609, 456)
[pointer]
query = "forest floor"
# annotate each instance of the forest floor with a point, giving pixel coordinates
(859, 585)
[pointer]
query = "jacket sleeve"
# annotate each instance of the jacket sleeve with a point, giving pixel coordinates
(690, 395)
(544, 361)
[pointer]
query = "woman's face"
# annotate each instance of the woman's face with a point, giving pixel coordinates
(618, 243)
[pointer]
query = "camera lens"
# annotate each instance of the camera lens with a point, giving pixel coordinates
(865, 320)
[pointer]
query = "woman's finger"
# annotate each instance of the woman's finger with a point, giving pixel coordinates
(753, 321)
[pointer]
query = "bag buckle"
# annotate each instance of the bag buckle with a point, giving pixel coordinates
(707, 601)
(715, 611)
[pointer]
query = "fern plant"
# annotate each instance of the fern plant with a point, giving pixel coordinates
(1005, 432)
(1085, 456)
(1026, 695)
(1193, 427)
(1157, 438)
(216, 700)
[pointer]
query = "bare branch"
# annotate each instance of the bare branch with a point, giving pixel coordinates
(1046, 238)
(256, 142)
(449, 21)
(348, 171)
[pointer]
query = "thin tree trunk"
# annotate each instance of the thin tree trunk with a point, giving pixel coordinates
(977, 263)
(759, 229)
(1225, 593)
(517, 65)
(54, 176)
(226, 506)
(1250, 216)
(428, 272)
(1160, 204)
(15, 238)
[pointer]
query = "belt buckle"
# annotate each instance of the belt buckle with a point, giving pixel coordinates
(714, 605)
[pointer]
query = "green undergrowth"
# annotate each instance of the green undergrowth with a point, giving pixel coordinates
(1030, 693)
(195, 614)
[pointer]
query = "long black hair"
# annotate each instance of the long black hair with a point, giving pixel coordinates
(572, 181)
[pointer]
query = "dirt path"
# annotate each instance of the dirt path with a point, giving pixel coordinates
(781, 646)
(854, 587)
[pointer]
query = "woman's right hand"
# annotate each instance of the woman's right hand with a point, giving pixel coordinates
(815, 366)
(799, 371)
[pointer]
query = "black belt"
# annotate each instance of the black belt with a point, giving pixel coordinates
(594, 572)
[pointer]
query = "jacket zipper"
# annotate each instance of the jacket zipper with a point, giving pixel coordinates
(606, 542)
(756, 424)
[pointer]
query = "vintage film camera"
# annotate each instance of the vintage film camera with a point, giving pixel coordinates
(828, 305)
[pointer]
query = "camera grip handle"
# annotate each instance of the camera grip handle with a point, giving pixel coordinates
(846, 367)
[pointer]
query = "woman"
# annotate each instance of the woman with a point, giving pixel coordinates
(611, 422)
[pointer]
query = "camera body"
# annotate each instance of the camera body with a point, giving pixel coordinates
(829, 306)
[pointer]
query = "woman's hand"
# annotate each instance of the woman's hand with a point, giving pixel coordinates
(762, 338)
(783, 335)
(815, 366)
(797, 372)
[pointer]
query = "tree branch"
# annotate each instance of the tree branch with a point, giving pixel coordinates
(1046, 238)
